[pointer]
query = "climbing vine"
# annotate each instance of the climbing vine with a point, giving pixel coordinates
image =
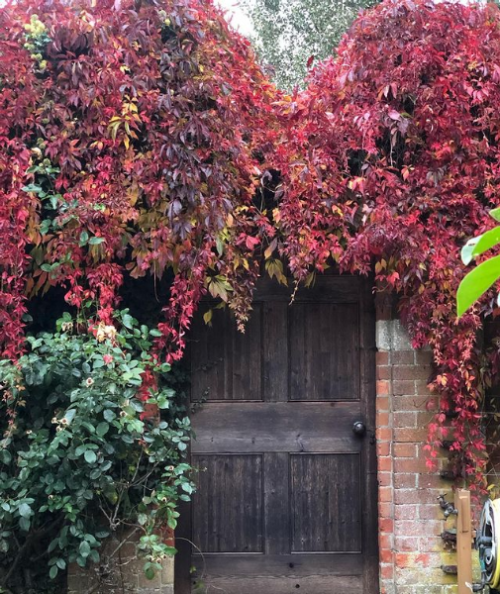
(141, 139)
(132, 141)
(390, 164)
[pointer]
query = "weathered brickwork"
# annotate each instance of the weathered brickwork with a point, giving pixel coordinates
(124, 575)
(410, 521)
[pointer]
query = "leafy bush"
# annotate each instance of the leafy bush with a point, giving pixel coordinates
(85, 451)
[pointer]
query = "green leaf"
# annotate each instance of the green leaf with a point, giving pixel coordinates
(476, 283)
(70, 415)
(102, 429)
(495, 214)
(128, 321)
(90, 456)
(149, 573)
(102, 534)
(109, 415)
(84, 549)
(467, 251)
(54, 570)
(25, 510)
(480, 244)
(96, 240)
(5, 456)
(84, 237)
(32, 188)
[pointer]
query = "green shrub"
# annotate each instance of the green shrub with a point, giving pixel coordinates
(80, 457)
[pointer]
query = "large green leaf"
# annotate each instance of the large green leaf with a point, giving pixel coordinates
(476, 283)
(495, 213)
(480, 244)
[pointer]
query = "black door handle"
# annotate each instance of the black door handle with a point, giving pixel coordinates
(359, 428)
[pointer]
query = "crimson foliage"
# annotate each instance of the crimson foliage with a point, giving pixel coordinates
(392, 160)
(130, 141)
(133, 140)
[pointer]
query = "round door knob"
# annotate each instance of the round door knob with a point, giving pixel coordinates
(359, 428)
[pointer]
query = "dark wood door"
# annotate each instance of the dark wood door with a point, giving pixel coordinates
(286, 498)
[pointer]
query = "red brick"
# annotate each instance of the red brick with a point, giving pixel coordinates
(385, 463)
(383, 387)
(385, 510)
(422, 388)
(386, 571)
(383, 372)
(382, 419)
(382, 403)
(405, 419)
(415, 465)
(423, 358)
(407, 543)
(403, 357)
(384, 479)
(383, 448)
(430, 480)
(404, 450)
(403, 387)
(417, 528)
(385, 556)
(424, 418)
(405, 481)
(429, 512)
(382, 358)
(386, 525)
(385, 541)
(384, 434)
(411, 559)
(385, 494)
(410, 403)
(410, 372)
(406, 512)
(417, 435)
(402, 496)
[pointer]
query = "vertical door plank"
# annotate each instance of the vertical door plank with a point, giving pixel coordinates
(275, 351)
(276, 504)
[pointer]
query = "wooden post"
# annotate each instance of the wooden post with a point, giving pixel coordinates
(464, 541)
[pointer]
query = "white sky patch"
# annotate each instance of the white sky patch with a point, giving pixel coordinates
(236, 16)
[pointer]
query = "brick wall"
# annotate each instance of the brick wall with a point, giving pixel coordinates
(122, 575)
(410, 520)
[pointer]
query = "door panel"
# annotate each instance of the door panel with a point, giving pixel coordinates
(228, 516)
(324, 351)
(325, 509)
(286, 497)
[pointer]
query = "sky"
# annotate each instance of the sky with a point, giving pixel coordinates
(239, 19)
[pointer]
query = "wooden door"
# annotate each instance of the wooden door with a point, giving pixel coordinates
(286, 498)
